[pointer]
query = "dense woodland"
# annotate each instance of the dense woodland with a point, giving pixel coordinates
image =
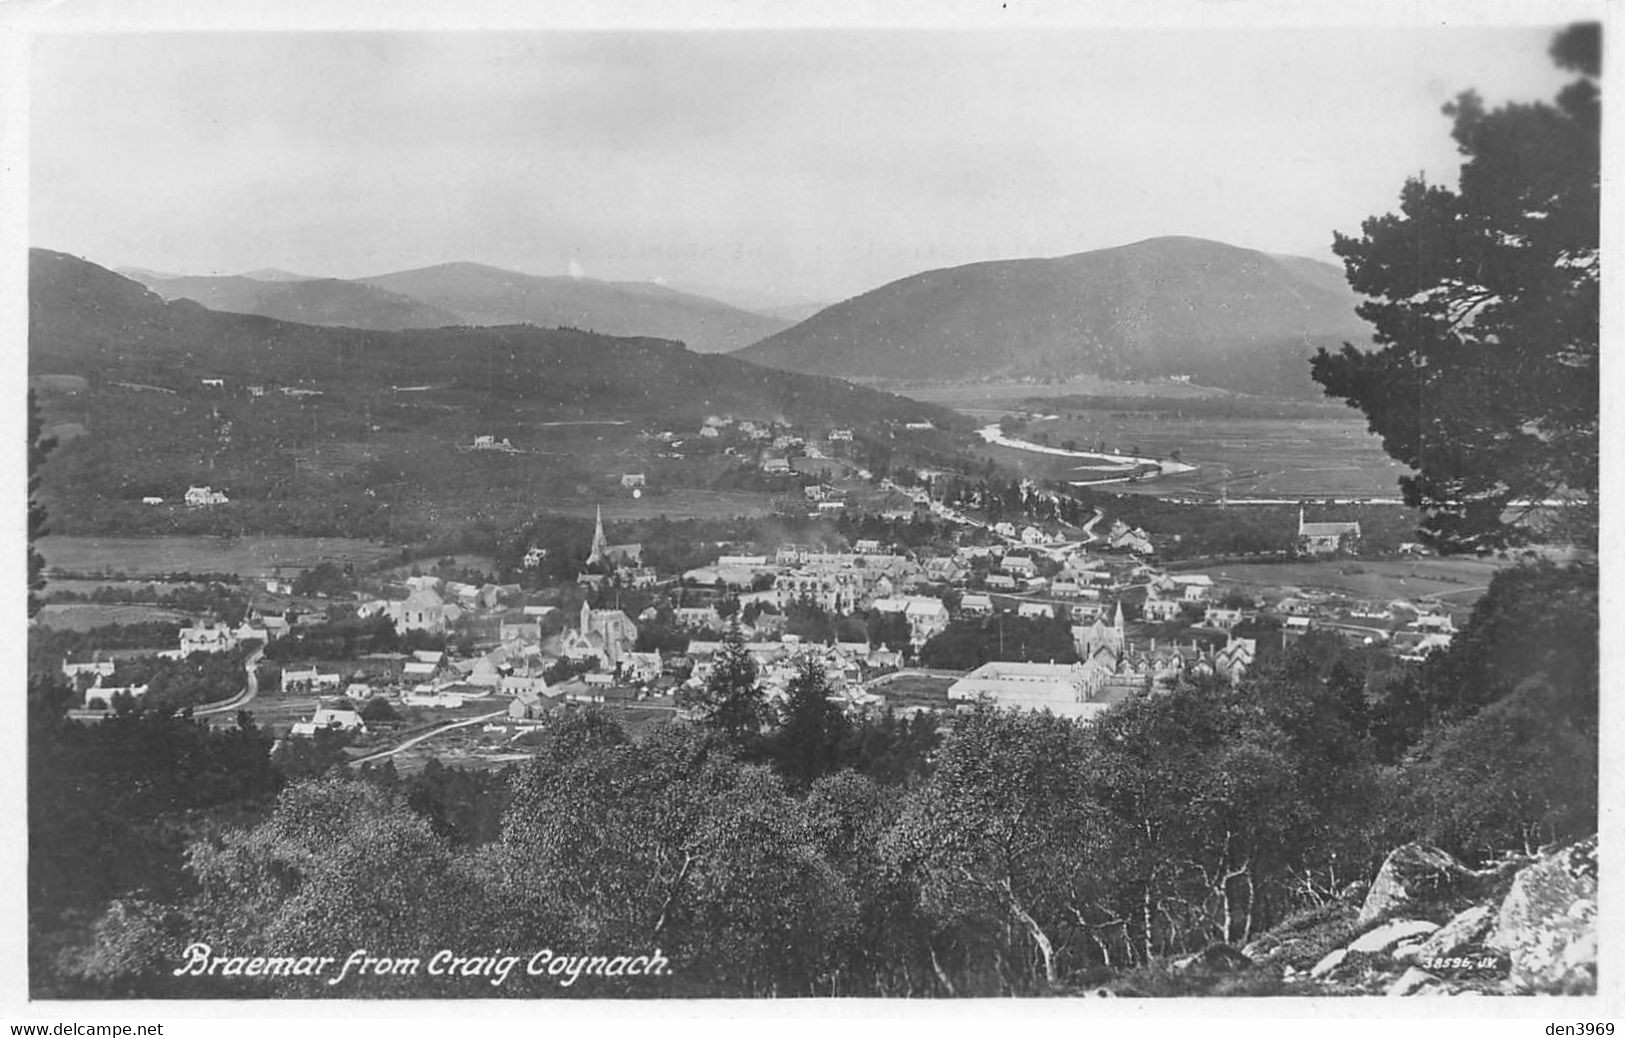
(798, 853)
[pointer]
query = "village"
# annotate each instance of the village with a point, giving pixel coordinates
(1029, 617)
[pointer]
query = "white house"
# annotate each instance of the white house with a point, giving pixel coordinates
(105, 694)
(641, 666)
(204, 497)
(417, 671)
(1438, 622)
(976, 605)
(926, 617)
(247, 632)
(422, 610)
(1019, 565)
(1326, 538)
(100, 668)
(308, 679)
(1161, 610)
(1221, 618)
(206, 637)
(327, 718)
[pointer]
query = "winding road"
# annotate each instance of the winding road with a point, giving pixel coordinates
(244, 696)
(408, 744)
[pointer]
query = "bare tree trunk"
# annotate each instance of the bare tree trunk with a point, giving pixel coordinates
(942, 974)
(1105, 952)
(1145, 912)
(1247, 928)
(1045, 948)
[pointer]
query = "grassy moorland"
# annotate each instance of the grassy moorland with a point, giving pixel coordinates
(1290, 458)
(1456, 581)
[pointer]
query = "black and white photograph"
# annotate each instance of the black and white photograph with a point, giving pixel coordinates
(877, 507)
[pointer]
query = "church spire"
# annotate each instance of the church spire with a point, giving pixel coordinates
(599, 542)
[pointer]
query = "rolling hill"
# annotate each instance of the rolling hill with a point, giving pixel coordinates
(86, 320)
(478, 295)
(288, 297)
(1223, 315)
(328, 431)
(485, 295)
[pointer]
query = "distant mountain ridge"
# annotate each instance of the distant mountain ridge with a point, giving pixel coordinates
(358, 432)
(486, 295)
(1175, 306)
(278, 274)
(86, 320)
(474, 294)
(289, 297)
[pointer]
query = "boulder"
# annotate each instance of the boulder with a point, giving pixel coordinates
(1547, 923)
(1407, 952)
(1417, 982)
(1413, 874)
(1390, 935)
(1467, 928)
(1332, 960)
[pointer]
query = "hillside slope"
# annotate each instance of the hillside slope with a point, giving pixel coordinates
(327, 301)
(484, 295)
(86, 320)
(330, 431)
(1167, 306)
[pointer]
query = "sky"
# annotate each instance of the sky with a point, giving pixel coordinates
(780, 166)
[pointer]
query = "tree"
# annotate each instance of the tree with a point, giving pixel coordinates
(670, 842)
(1001, 843)
(810, 737)
(379, 709)
(890, 630)
(735, 695)
(1484, 302)
(38, 447)
(340, 864)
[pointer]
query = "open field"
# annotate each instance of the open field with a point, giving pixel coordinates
(85, 617)
(1456, 583)
(998, 398)
(674, 504)
(249, 556)
(1247, 458)
(86, 587)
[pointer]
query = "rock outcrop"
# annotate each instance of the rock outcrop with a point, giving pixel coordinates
(1547, 923)
(1389, 936)
(1412, 874)
(1465, 931)
(1429, 925)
